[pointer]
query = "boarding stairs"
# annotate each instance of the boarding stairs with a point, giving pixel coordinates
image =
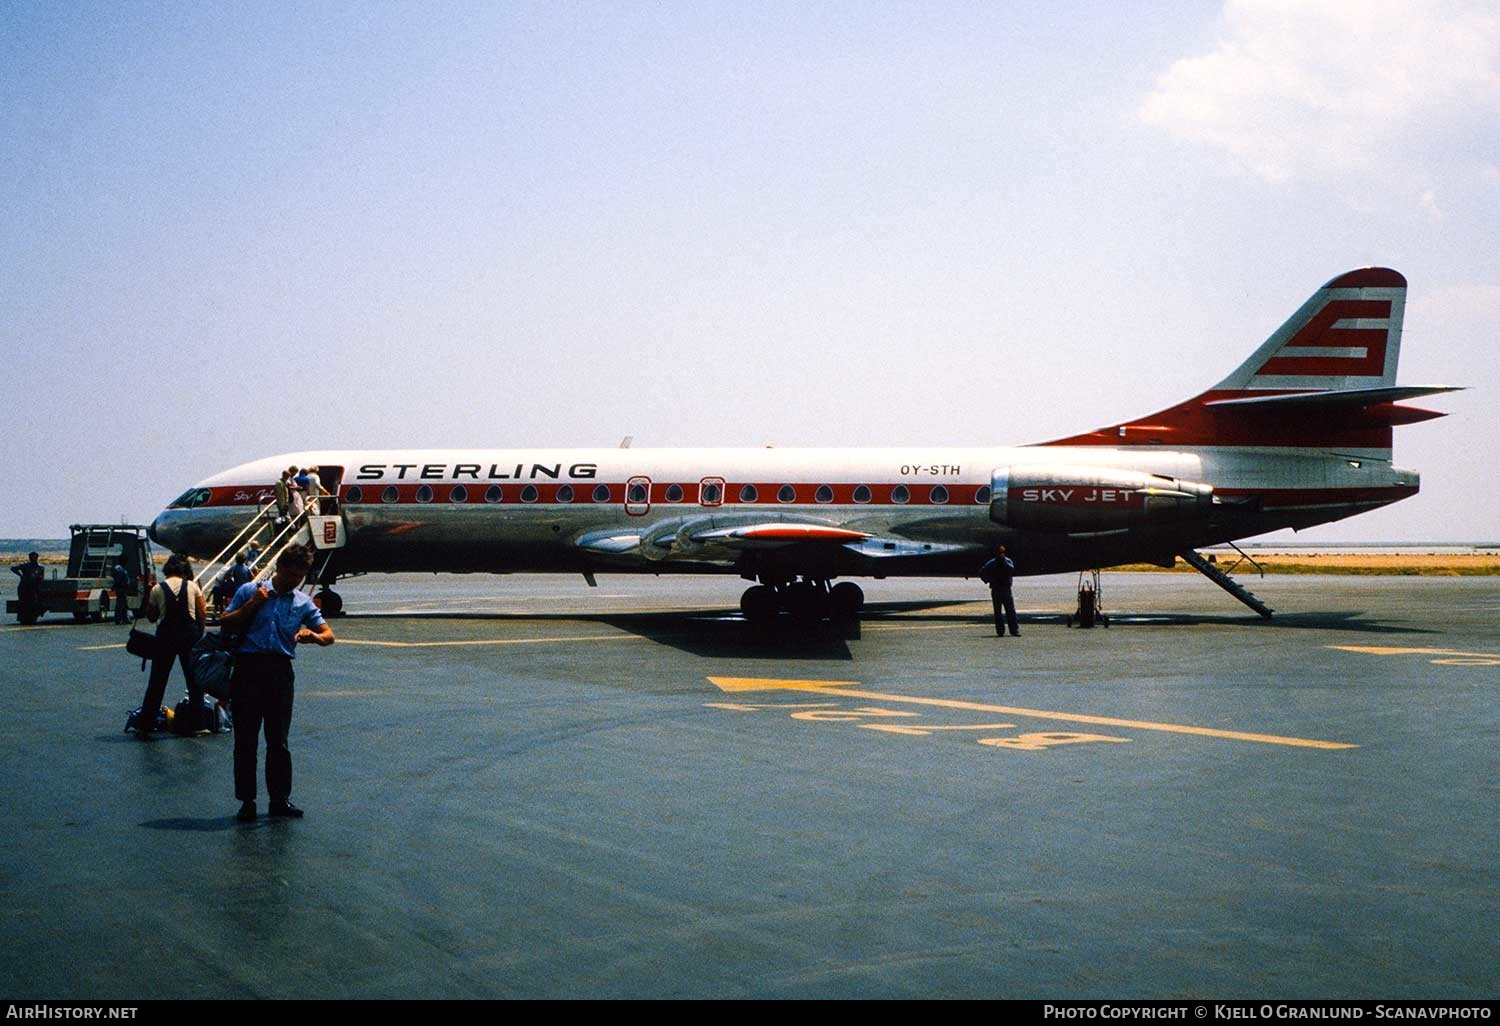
(1228, 583)
(273, 536)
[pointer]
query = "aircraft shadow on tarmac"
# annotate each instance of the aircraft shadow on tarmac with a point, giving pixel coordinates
(725, 633)
(207, 824)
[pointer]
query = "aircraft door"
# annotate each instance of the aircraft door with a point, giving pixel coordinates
(638, 496)
(331, 478)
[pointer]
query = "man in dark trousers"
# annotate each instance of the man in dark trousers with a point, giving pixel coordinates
(997, 573)
(123, 583)
(29, 590)
(274, 622)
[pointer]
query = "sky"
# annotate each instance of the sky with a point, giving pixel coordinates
(231, 230)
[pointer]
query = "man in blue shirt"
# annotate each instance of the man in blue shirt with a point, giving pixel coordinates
(274, 622)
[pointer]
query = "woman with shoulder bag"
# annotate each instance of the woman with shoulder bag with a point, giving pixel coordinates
(178, 603)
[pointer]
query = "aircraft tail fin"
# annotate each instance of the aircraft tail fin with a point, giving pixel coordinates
(1324, 379)
(1346, 336)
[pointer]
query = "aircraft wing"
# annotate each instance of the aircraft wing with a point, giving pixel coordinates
(710, 539)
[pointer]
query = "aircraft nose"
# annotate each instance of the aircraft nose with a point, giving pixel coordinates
(162, 532)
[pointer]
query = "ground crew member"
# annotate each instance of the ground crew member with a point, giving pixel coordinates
(274, 622)
(29, 590)
(124, 584)
(997, 573)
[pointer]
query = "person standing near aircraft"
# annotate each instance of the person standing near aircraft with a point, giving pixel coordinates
(183, 613)
(283, 495)
(29, 590)
(315, 490)
(296, 483)
(274, 621)
(124, 584)
(998, 573)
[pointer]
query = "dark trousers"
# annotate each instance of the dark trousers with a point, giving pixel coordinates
(1005, 607)
(156, 684)
(261, 694)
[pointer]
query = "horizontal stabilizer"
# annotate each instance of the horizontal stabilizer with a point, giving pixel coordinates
(1346, 397)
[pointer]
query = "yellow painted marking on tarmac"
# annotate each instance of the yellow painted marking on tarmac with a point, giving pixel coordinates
(1450, 657)
(762, 684)
(828, 687)
(759, 707)
(898, 728)
(837, 715)
(491, 641)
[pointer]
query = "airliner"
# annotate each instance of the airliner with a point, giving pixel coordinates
(1298, 434)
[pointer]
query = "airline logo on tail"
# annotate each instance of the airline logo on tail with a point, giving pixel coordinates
(1345, 339)
(1347, 335)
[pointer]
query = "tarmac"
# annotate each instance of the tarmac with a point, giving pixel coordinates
(522, 787)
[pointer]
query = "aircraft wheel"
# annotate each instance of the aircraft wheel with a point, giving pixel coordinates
(807, 602)
(331, 603)
(845, 600)
(758, 604)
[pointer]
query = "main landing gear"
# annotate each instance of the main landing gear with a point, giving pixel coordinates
(807, 601)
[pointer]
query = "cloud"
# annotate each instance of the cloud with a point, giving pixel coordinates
(1403, 93)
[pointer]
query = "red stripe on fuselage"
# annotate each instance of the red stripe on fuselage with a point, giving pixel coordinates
(767, 494)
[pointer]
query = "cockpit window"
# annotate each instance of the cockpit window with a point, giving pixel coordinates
(191, 499)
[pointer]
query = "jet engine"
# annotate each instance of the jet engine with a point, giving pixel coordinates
(1077, 499)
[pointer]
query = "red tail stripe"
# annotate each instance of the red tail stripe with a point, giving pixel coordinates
(1321, 333)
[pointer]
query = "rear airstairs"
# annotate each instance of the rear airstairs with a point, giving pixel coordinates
(1223, 580)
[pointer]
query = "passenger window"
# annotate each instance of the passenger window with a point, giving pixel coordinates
(674, 493)
(493, 494)
(529, 493)
(823, 494)
(391, 494)
(458, 494)
(565, 493)
(862, 494)
(938, 495)
(786, 493)
(355, 494)
(983, 495)
(712, 493)
(601, 493)
(749, 493)
(424, 494)
(637, 493)
(900, 494)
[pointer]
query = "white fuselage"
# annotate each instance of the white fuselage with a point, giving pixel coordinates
(926, 510)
